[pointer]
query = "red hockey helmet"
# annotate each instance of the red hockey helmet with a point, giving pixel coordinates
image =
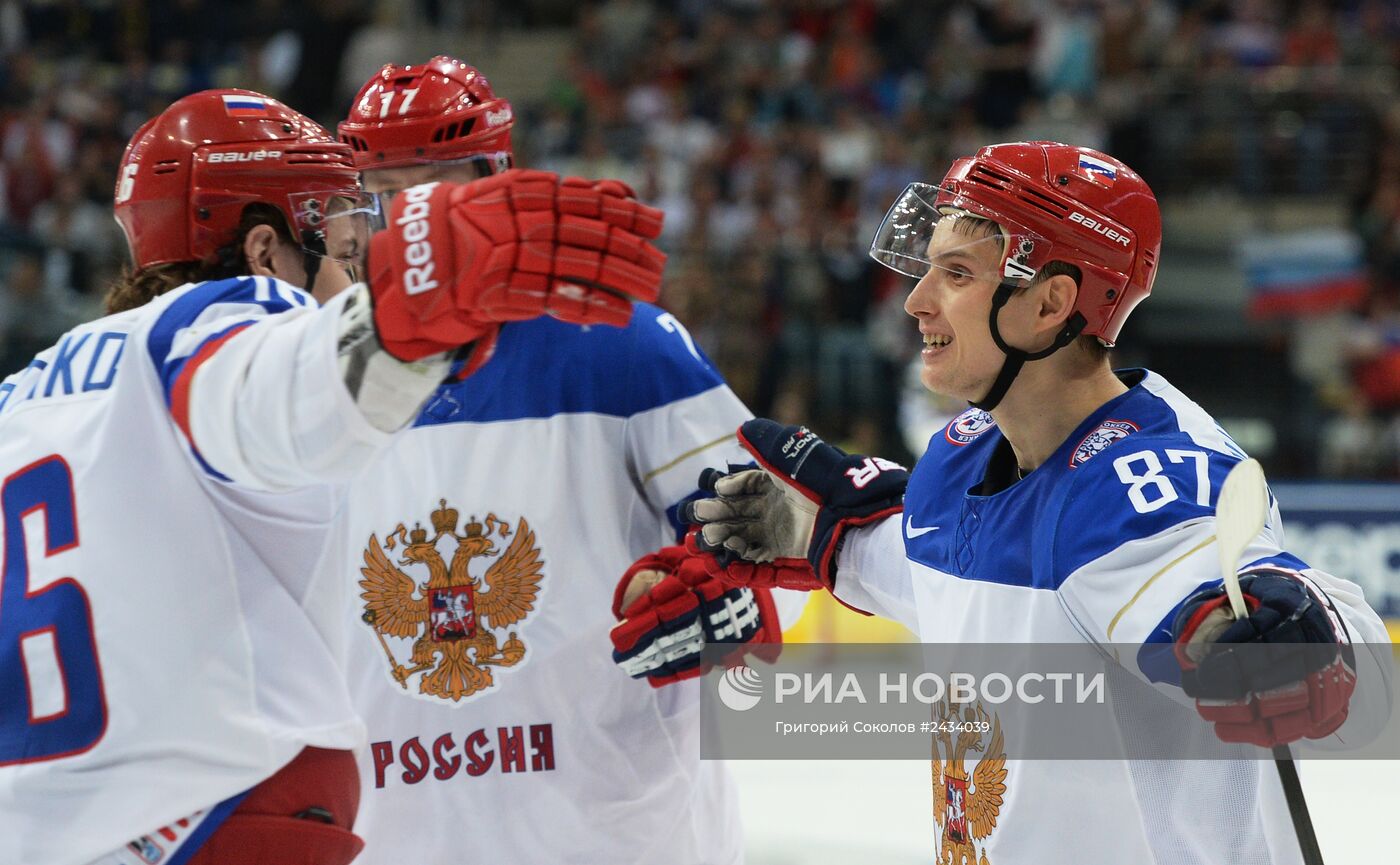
(440, 111)
(189, 172)
(1054, 202)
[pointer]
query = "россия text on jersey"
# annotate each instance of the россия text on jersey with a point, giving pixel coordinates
(475, 755)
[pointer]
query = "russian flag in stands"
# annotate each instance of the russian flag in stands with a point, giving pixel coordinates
(1303, 273)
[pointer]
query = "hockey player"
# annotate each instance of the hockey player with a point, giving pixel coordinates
(1071, 503)
(525, 494)
(171, 692)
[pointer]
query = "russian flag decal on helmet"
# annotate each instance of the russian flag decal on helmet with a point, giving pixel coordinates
(238, 105)
(1097, 169)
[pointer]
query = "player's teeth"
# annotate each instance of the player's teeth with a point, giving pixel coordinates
(936, 340)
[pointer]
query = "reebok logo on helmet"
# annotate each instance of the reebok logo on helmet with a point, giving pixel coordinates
(413, 229)
(498, 118)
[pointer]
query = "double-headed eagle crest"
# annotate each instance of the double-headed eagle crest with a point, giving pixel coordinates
(451, 616)
(966, 808)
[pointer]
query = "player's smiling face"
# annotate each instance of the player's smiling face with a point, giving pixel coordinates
(952, 303)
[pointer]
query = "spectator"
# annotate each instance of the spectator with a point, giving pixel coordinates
(774, 133)
(30, 321)
(79, 234)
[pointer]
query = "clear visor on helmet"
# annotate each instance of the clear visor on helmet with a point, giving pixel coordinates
(336, 225)
(462, 170)
(916, 237)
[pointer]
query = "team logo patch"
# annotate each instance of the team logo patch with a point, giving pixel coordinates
(967, 804)
(1104, 435)
(451, 618)
(1097, 169)
(968, 426)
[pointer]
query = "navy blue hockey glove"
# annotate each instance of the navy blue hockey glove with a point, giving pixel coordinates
(1285, 672)
(669, 606)
(798, 505)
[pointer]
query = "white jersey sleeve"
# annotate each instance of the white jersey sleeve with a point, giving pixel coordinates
(250, 374)
(670, 445)
(872, 573)
(1136, 538)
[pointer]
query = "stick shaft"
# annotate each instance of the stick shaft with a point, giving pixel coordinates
(1297, 806)
(1246, 505)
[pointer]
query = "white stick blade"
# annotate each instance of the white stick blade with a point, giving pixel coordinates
(1240, 514)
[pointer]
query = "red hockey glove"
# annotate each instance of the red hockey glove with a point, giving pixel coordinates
(457, 260)
(792, 573)
(1286, 672)
(798, 505)
(669, 606)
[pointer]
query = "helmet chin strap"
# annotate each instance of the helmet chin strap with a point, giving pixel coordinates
(1015, 357)
(313, 248)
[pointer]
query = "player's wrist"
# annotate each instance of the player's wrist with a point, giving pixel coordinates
(388, 391)
(784, 572)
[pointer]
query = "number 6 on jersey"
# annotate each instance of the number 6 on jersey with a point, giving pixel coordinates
(53, 703)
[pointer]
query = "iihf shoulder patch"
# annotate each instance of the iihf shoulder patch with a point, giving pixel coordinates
(968, 426)
(1100, 438)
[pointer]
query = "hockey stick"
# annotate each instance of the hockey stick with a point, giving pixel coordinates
(1240, 515)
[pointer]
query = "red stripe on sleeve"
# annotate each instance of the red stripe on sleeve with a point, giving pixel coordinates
(180, 391)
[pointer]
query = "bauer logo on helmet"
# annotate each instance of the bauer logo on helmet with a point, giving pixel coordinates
(1099, 227)
(245, 156)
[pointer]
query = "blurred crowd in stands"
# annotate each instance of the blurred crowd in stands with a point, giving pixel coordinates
(775, 133)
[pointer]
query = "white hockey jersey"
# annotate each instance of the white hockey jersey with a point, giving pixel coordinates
(1101, 543)
(155, 653)
(483, 549)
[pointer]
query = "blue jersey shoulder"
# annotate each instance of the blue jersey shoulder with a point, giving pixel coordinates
(1139, 487)
(545, 367)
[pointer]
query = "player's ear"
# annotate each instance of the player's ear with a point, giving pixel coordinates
(260, 250)
(1056, 300)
